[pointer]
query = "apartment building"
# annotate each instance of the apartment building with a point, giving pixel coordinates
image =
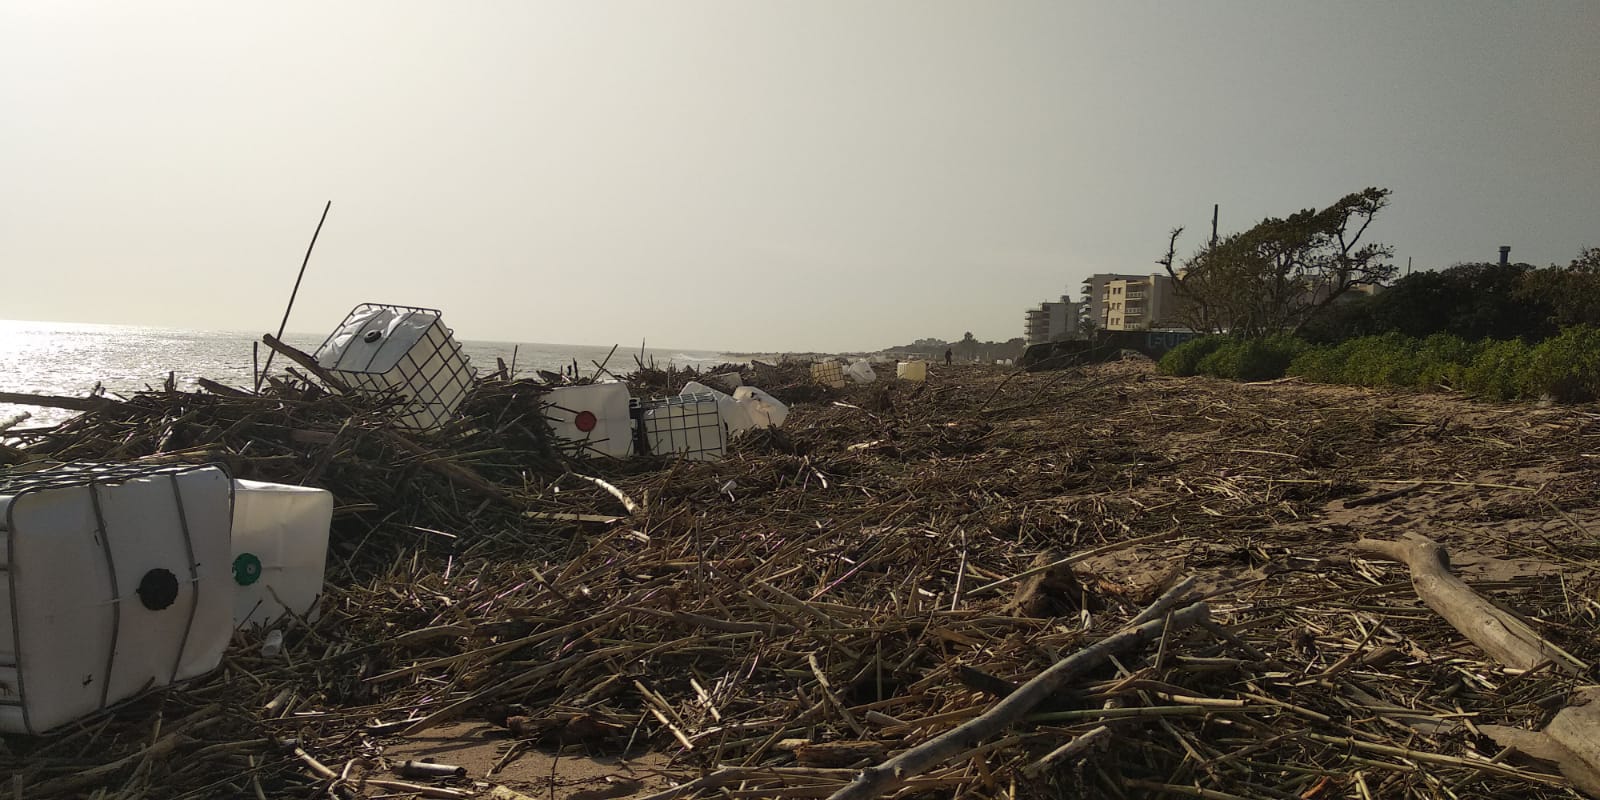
(1095, 295)
(1133, 302)
(1052, 321)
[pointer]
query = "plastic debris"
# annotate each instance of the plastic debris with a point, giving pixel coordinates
(861, 372)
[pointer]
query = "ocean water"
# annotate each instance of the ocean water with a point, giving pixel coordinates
(71, 358)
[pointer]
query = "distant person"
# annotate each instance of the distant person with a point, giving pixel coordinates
(947, 355)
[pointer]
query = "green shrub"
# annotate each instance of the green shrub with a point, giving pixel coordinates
(1565, 368)
(1184, 360)
(1387, 360)
(1443, 360)
(1222, 361)
(1323, 364)
(1496, 372)
(1266, 359)
(1236, 359)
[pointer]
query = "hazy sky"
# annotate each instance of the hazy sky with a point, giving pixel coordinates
(752, 175)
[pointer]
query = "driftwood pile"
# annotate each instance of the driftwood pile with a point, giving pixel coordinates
(1083, 583)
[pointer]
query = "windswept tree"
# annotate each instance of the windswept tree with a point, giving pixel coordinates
(1276, 276)
(1572, 293)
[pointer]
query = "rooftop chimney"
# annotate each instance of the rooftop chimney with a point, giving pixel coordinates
(1505, 254)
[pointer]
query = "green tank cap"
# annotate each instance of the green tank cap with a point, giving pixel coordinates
(246, 569)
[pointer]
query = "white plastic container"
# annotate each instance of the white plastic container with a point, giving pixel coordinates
(592, 419)
(115, 579)
(764, 410)
(687, 426)
(727, 380)
(861, 372)
(403, 352)
(280, 550)
(828, 373)
(735, 415)
(914, 371)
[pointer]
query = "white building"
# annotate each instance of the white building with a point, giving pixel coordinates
(1052, 321)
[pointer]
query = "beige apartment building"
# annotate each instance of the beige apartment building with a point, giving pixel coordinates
(1133, 302)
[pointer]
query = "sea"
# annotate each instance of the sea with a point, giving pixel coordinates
(64, 358)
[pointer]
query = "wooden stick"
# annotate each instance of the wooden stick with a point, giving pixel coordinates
(1501, 634)
(462, 476)
(1077, 745)
(874, 781)
(58, 401)
(297, 278)
(1073, 559)
(310, 364)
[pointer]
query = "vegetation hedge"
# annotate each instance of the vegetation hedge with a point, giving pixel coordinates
(1564, 368)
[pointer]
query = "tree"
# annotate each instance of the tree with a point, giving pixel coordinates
(1276, 276)
(969, 345)
(1571, 293)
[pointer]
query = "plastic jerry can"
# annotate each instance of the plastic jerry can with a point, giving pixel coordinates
(404, 353)
(592, 419)
(280, 550)
(914, 371)
(115, 579)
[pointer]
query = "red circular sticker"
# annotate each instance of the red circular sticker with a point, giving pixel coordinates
(586, 420)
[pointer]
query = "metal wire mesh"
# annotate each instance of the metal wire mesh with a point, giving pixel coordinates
(428, 381)
(688, 426)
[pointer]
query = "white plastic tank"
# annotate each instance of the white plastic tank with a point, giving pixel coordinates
(404, 352)
(280, 550)
(861, 372)
(914, 371)
(735, 415)
(764, 410)
(592, 419)
(686, 426)
(828, 373)
(115, 579)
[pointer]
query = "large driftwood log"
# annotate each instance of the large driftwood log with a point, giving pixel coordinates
(57, 401)
(1500, 633)
(1571, 741)
(874, 781)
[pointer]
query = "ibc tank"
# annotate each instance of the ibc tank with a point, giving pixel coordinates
(687, 426)
(828, 373)
(404, 352)
(115, 580)
(592, 419)
(280, 550)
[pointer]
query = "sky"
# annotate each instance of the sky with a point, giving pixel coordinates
(753, 176)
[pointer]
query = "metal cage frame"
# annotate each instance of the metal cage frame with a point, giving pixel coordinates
(419, 409)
